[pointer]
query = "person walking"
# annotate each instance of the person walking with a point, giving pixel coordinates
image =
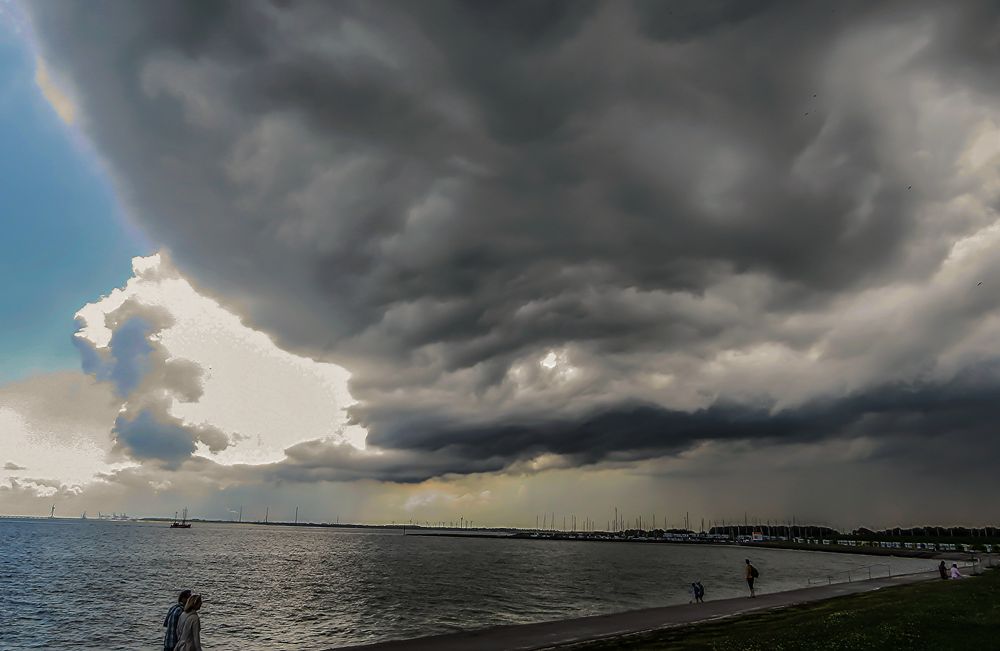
(751, 575)
(942, 570)
(699, 592)
(955, 574)
(189, 626)
(170, 623)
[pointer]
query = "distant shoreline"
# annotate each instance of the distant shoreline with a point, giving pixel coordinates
(833, 549)
(864, 551)
(555, 536)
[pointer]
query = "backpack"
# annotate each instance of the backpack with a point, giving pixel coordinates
(753, 572)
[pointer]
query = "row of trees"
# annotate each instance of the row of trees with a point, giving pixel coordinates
(778, 530)
(929, 532)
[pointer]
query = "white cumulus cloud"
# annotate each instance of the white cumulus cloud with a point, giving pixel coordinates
(263, 398)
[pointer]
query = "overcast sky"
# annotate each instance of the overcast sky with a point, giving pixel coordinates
(402, 259)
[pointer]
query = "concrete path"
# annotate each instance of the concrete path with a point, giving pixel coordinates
(546, 635)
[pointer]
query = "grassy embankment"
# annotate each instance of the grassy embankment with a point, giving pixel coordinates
(935, 616)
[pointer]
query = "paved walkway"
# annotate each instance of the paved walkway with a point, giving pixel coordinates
(546, 635)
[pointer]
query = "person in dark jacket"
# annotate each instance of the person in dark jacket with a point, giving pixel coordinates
(751, 575)
(170, 636)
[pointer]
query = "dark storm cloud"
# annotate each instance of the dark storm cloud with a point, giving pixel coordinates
(941, 430)
(439, 194)
(915, 413)
(319, 460)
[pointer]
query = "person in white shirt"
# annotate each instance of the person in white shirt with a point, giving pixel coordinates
(955, 574)
(189, 626)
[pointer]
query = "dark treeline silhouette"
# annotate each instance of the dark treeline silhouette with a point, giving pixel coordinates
(731, 532)
(861, 533)
(929, 532)
(777, 530)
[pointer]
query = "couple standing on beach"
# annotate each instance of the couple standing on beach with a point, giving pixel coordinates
(697, 590)
(183, 624)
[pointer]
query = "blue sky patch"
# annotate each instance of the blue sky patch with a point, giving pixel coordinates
(63, 241)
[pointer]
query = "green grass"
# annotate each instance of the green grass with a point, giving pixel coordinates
(934, 616)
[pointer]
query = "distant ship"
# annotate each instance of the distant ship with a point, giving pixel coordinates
(183, 524)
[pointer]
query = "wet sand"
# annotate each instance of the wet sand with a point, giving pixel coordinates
(550, 635)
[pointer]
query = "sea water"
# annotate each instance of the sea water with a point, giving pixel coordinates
(90, 584)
